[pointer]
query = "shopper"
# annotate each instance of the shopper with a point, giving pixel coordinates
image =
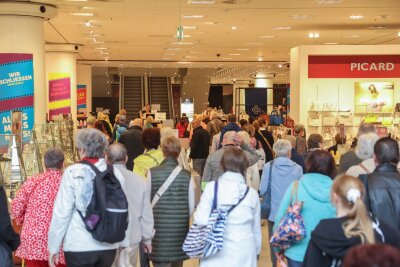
(148, 122)
(339, 141)
(132, 140)
(242, 236)
(102, 118)
(383, 185)
(352, 157)
(90, 122)
(296, 157)
(252, 174)
(173, 209)
(152, 155)
(140, 212)
(215, 125)
(255, 144)
(376, 255)
(182, 128)
(9, 240)
(332, 238)
(213, 169)
(33, 207)
(299, 133)
(314, 190)
(231, 126)
(119, 128)
(365, 150)
(146, 111)
(265, 137)
(199, 146)
(284, 172)
(67, 228)
(99, 126)
(166, 132)
(314, 142)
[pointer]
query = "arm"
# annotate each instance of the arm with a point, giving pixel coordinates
(148, 187)
(264, 179)
(283, 206)
(205, 205)
(207, 176)
(146, 219)
(191, 196)
(194, 144)
(62, 213)
(7, 233)
(20, 202)
(257, 227)
(252, 155)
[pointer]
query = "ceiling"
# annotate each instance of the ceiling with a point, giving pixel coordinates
(236, 37)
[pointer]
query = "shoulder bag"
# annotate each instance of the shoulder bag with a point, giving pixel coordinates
(268, 144)
(291, 228)
(266, 203)
(206, 240)
(165, 185)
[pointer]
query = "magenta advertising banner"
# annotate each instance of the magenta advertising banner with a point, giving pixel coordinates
(59, 94)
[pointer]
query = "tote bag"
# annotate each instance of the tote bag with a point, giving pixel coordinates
(204, 241)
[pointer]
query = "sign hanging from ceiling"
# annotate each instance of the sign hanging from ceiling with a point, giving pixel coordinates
(354, 66)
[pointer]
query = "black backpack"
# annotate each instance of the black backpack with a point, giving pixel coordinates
(107, 214)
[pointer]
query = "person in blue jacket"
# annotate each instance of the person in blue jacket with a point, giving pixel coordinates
(314, 190)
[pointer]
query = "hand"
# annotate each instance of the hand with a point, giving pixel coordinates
(238, 140)
(147, 248)
(54, 259)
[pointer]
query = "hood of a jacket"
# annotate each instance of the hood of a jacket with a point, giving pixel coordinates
(283, 166)
(318, 186)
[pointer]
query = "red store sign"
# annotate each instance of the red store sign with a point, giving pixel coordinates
(360, 66)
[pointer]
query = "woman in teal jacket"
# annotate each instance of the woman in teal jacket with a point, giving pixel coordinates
(314, 190)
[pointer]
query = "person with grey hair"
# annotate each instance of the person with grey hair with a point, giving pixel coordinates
(141, 223)
(300, 144)
(351, 158)
(277, 175)
(119, 128)
(182, 159)
(33, 206)
(67, 228)
(213, 169)
(132, 140)
(365, 151)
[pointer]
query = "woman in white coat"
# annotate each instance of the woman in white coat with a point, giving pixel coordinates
(242, 237)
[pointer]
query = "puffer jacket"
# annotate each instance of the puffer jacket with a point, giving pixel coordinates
(383, 194)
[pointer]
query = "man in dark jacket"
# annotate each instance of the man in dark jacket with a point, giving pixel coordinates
(232, 126)
(132, 140)
(199, 146)
(383, 185)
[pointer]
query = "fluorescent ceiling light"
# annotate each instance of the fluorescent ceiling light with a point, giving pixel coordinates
(266, 36)
(331, 43)
(234, 54)
(398, 34)
(351, 36)
(329, 2)
(101, 48)
(201, 2)
(173, 48)
(313, 35)
(83, 14)
(193, 16)
(243, 49)
(194, 52)
(211, 22)
(282, 28)
(182, 43)
(226, 58)
(166, 58)
(300, 16)
(355, 17)
(168, 54)
(189, 27)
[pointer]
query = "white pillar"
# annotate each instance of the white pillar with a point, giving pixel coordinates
(61, 60)
(266, 80)
(21, 31)
(84, 76)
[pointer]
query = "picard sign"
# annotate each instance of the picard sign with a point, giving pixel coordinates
(355, 66)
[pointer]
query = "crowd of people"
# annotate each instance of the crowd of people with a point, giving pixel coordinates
(350, 212)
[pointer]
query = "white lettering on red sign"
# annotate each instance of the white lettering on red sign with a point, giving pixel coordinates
(371, 66)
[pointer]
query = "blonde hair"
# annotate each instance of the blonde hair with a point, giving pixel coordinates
(359, 223)
(245, 137)
(249, 128)
(101, 116)
(149, 119)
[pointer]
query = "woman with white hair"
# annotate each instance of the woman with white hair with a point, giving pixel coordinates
(365, 151)
(277, 176)
(252, 173)
(182, 159)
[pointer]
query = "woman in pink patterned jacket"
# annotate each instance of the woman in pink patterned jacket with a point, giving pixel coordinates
(33, 208)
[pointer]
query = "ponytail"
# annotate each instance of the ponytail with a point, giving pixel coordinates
(351, 192)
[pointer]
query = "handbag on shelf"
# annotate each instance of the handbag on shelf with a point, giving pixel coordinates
(347, 120)
(206, 240)
(330, 106)
(275, 118)
(329, 121)
(291, 228)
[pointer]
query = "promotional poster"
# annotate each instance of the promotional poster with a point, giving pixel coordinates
(59, 94)
(373, 97)
(81, 98)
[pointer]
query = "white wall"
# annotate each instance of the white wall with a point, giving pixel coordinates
(84, 76)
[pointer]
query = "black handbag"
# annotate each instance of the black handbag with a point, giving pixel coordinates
(6, 258)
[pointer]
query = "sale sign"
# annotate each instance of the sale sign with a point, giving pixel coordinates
(354, 66)
(59, 94)
(81, 97)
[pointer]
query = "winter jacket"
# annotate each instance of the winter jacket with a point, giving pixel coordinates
(383, 194)
(314, 190)
(132, 140)
(182, 128)
(284, 172)
(200, 144)
(329, 245)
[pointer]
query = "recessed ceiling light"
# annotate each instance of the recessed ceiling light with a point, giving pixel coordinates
(329, 2)
(260, 59)
(266, 36)
(331, 43)
(282, 28)
(234, 27)
(300, 16)
(313, 35)
(280, 66)
(83, 14)
(351, 36)
(380, 27)
(201, 1)
(91, 32)
(193, 16)
(355, 17)
(189, 27)
(166, 58)
(87, 23)
(101, 48)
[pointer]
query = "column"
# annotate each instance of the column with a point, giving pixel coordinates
(61, 78)
(266, 80)
(241, 100)
(84, 77)
(22, 32)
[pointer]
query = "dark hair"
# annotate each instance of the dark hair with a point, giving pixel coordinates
(372, 255)
(386, 150)
(242, 122)
(314, 140)
(151, 138)
(340, 140)
(234, 160)
(231, 117)
(54, 158)
(262, 122)
(321, 161)
(251, 120)
(99, 126)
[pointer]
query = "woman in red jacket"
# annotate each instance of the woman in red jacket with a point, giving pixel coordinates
(182, 127)
(33, 208)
